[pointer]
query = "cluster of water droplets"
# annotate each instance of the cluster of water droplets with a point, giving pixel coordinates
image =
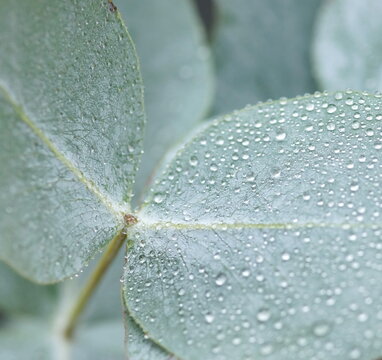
(263, 236)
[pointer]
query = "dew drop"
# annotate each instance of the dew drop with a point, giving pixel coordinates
(214, 167)
(220, 279)
(281, 136)
(158, 198)
(193, 161)
(266, 349)
(276, 173)
(245, 273)
(331, 108)
(321, 329)
(263, 315)
(209, 318)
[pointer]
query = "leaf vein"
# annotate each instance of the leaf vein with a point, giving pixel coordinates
(108, 203)
(238, 226)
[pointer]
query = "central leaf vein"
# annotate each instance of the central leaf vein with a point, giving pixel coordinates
(237, 226)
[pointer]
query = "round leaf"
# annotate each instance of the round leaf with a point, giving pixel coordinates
(71, 122)
(262, 238)
(347, 45)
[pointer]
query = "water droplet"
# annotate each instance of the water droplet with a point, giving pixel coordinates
(214, 167)
(263, 315)
(281, 136)
(246, 273)
(276, 173)
(355, 354)
(236, 341)
(354, 186)
(285, 256)
(193, 161)
(321, 329)
(220, 279)
(209, 318)
(331, 108)
(355, 125)
(266, 349)
(158, 198)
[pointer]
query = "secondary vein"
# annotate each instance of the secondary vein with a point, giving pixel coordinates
(58, 154)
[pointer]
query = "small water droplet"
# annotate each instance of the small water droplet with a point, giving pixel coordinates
(321, 329)
(193, 161)
(209, 318)
(276, 173)
(220, 279)
(263, 315)
(158, 198)
(281, 136)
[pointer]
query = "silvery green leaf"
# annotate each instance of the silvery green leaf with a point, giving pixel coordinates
(261, 238)
(140, 346)
(71, 117)
(347, 46)
(32, 339)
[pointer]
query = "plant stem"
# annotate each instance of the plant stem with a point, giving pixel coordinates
(107, 258)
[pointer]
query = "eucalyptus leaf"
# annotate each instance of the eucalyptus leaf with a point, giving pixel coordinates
(14, 290)
(347, 45)
(262, 50)
(139, 346)
(34, 315)
(177, 72)
(71, 116)
(39, 342)
(33, 336)
(262, 238)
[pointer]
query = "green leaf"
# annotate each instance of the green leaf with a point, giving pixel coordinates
(13, 290)
(262, 238)
(347, 45)
(24, 340)
(139, 346)
(33, 316)
(177, 72)
(71, 119)
(32, 339)
(262, 50)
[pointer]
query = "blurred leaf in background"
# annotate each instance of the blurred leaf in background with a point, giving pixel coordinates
(262, 50)
(177, 72)
(348, 45)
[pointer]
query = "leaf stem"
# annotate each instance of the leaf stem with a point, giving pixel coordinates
(107, 258)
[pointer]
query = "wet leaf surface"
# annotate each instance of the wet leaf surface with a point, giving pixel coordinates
(71, 117)
(262, 238)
